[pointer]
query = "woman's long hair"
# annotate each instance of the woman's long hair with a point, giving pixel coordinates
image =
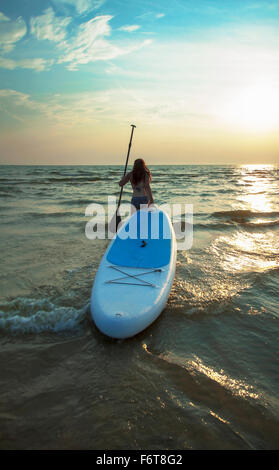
(139, 171)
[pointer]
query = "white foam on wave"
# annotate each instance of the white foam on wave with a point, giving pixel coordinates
(27, 315)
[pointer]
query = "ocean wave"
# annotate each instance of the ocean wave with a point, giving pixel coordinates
(242, 214)
(196, 368)
(74, 202)
(223, 190)
(245, 252)
(212, 226)
(9, 190)
(273, 223)
(227, 225)
(185, 175)
(74, 179)
(27, 315)
(43, 215)
(47, 180)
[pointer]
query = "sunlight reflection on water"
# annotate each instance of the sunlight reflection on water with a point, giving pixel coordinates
(244, 251)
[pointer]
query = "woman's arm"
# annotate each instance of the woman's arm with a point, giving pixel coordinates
(125, 179)
(148, 190)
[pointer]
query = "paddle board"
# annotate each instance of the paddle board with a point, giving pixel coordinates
(135, 276)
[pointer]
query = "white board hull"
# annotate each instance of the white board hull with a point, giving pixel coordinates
(127, 299)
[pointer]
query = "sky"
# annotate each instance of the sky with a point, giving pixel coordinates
(199, 79)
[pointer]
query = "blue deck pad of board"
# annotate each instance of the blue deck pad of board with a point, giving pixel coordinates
(149, 227)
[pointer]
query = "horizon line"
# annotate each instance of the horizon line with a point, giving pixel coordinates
(151, 164)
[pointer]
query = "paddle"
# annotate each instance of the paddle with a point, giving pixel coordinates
(116, 215)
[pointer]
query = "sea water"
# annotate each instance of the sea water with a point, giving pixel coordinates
(203, 376)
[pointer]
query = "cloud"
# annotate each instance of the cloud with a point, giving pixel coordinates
(3, 17)
(22, 107)
(11, 32)
(151, 15)
(15, 104)
(78, 110)
(58, 111)
(81, 6)
(19, 97)
(38, 64)
(91, 45)
(87, 42)
(129, 29)
(48, 26)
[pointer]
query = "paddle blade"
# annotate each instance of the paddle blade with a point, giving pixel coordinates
(113, 224)
(118, 220)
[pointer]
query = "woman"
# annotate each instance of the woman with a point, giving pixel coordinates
(139, 178)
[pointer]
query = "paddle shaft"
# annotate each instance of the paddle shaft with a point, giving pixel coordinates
(127, 159)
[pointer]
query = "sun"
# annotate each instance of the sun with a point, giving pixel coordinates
(254, 108)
